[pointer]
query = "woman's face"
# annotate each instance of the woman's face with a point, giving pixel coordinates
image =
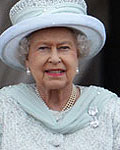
(52, 57)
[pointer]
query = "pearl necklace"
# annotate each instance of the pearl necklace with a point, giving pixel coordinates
(70, 101)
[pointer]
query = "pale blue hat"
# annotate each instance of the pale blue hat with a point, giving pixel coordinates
(28, 16)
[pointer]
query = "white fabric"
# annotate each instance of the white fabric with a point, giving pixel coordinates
(20, 131)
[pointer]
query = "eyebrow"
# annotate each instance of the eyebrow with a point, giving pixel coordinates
(65, 42)
(49, 42)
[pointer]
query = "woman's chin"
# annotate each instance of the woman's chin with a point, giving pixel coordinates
(55, 85)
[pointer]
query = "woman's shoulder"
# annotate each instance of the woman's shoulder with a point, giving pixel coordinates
(104, 98)
(10, 94)
(10, 91)
(6, 89)
(106, 94)
(107, 101)
(112, 105)
(98, 91)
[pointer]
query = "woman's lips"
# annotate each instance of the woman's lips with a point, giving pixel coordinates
(55, 72)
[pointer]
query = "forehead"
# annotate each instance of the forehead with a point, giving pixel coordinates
(56, 34)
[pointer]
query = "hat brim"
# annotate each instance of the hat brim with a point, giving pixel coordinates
(90, 26)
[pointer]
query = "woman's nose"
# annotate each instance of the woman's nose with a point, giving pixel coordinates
(54, 56)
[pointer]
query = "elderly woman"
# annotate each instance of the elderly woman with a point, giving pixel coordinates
(48, 39)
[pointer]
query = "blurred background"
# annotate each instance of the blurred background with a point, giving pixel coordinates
(103, 70)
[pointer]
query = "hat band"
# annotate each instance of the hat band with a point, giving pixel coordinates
(37, 12)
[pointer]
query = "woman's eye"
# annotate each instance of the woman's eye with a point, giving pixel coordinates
(43, 48)
(64, 48)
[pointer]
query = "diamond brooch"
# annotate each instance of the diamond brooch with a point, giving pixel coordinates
(93, 111)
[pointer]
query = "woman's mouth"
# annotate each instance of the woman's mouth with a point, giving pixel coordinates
(55, 72)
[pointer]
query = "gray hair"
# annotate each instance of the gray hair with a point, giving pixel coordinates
(83, 46)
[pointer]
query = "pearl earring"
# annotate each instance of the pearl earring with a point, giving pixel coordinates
(77, 70)
(28, 71)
